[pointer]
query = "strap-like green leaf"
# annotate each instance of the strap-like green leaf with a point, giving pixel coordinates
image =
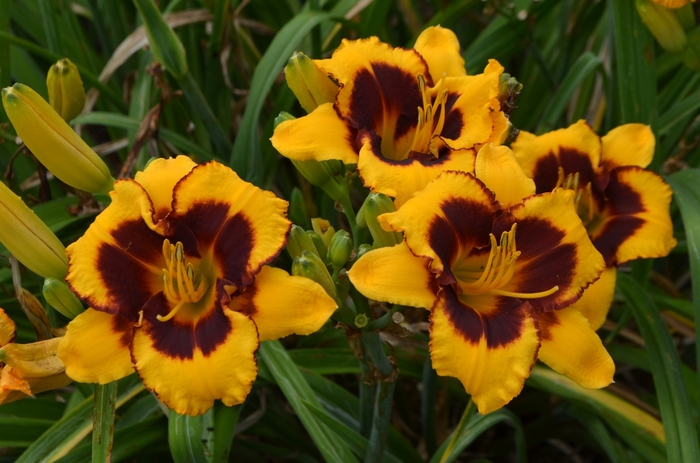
(185, 438)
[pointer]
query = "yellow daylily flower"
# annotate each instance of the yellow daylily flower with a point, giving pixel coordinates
(27, 369)
(488, 271)
(174, 271)
(403, 116)
(54, 142)
(624, 207)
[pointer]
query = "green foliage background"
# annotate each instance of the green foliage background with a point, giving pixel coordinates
(576, 59)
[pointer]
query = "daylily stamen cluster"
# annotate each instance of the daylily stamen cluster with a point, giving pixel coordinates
(427, 128)
(179, 279)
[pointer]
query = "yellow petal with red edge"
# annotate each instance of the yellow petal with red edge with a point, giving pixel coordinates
(489, 344)
(245, 227)
(95, 348)
(472, 118)
(319, 136)
(450, 217)
(188, 378)
(7, 329)
(576, 149)
(402, 179)
(597, 298)
(554, 248)
(393, 274)
(635, 222)
(439, 47)
(571, 347)
(497, 167)
(281, 304)
(159, 179)
(116, 265)
(628, 145)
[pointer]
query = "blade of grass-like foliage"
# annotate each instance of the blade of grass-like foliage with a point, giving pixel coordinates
(597, 429)
(467, 432)
(355, 441)
(245, 157)
(641, 431)
(185, 438)
(295, 389)
(21, 432)
(4, 50)
(124, 122)
(585, 66)
(680, 113)
(685, 189)
(375, 18)
(681, 433)
(103, 421)
(48, 20)
(635, 78)
(225, 420)
(67, 432)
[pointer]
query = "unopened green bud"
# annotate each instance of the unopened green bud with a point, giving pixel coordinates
(311, 85)
(321, 174)
(341, 248)
(663, 24)
(299, 242)
(321, 248)
(508, 90)
(310, 266)
(361, 320)
(66, 92)
(691, 53)
(282, 117)
(29, 239)
(375, 205)
(165, 45)
(324, 230)
(363, 249)
(53, 142)
(61, 298)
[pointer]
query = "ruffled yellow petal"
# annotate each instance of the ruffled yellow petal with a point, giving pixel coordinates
(393, 274)
(635, 222)
(575, 149)
(497, 167)
(628, 145)
(554, 250)
(116, 265)
(245, 227)
(7, 329)
(491, 351)
(95, 348)
(320, 136)
(571, 347)
(476, 110)
(281, 304)
(402, 179)
(452, 215)
(159, 179)
(439, 47)
(189, 384)
(597, 298)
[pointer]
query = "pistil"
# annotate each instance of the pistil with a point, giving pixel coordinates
(180, 284)
(431, 117)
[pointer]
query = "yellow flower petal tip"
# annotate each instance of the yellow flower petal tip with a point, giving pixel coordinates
(54, 142)
(190, 315)
(66, 92)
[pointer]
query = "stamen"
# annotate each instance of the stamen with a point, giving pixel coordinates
(179, 279)
(429, 125)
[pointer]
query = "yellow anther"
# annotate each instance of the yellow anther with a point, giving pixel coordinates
(429, 125)
(179, 279)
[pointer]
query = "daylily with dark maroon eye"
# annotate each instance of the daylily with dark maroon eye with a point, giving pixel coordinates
(487, 270)
(173, 270)
(402, 115)
(624, 207)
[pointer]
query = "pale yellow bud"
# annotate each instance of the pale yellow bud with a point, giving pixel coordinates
(66, 92)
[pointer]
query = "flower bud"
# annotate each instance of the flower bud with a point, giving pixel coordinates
(61, 298)
(298, 242)
(375, 205)
(361, 320)
(341, 248)
(320, 173)
(311, 85)
(324, 230)
(66, 92)
(165, 45)
(663, 24)
(29, 239)
(283, 116)
(321, 248)
(311, 266)
(53, 141)
(691, 53)
(508, 90)
(363, 249)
